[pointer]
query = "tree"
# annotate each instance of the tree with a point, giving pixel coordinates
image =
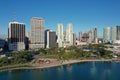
(4, 61)
(22, 57)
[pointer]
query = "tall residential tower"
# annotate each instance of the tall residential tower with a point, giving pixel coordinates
(113, 33)
(37, 33)
(118, 32)
(50, 39)
(60, 35)
(106, 34)
(16, 36)
(69, 34)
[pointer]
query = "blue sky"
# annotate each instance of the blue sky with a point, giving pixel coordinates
(83, 14)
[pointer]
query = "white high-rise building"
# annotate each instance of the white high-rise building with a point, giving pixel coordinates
(37, 33)
(113, 33)
(69, 34)
(106, 34)
(60, 35)
(16, 36)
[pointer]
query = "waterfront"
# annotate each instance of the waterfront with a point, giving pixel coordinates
(78, 71)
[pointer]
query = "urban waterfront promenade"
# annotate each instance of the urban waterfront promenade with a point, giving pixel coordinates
(53, 64)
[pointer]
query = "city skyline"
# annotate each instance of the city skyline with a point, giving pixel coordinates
(83, 14)
(111, 34)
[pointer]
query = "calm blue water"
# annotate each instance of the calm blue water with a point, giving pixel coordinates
(80, 71)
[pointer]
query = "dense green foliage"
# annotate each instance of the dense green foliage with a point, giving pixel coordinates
(22, 57)
(16, 58)
(92, 51)
(73, 52)
(4, 61)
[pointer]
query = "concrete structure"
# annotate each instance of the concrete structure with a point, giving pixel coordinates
(60, 35)
(50, 39)
(80, 36)
(118, 32)
(79, 43)
(64, 33)
(106, 34)
(16, 36)
(85, 37)
(90, 39)
(74, 39)
(27, 40)
(46, 37)
(113, 33)
(37, 33)
(69, 34)
(94, 35)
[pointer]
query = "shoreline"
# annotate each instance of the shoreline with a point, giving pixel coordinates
(50, 65)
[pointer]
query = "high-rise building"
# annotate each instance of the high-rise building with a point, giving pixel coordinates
(64, 33)
(89, 37)
(27, 40)
(37, 33)
(118, 32)
(60, 35)
(85, 37)
(90, 34)
(69, 34)
(106, 34)
(16, 36)
(113, 33)
(80, 36)
(50, 39)
(94, 34)
(74, 39)
(46, 37)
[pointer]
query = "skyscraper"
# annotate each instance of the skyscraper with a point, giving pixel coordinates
(69, 34)
(74, 39)
(94, 34)
(106, 34)
(51, 39)
(80, 36)
(16, 36)
(37, 33)
(118, 32)
(60, 35)
(91, 36)
(113, 33)
(46, 37)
